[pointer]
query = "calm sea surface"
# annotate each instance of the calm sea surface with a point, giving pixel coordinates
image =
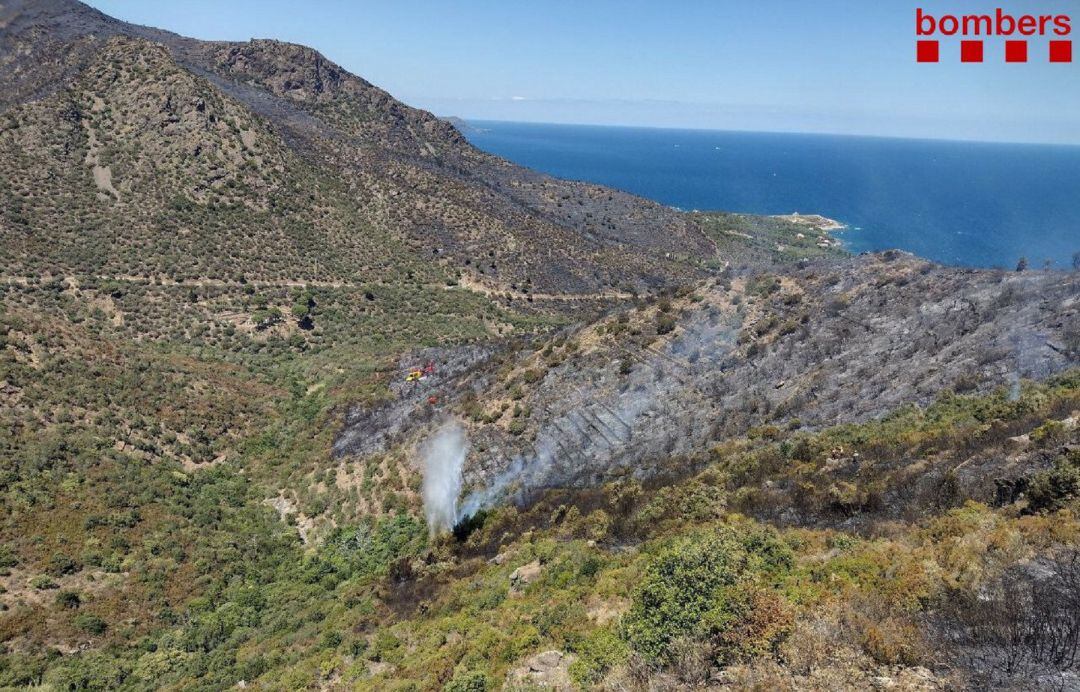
(955, 202)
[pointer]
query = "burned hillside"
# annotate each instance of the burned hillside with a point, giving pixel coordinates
(658, 385)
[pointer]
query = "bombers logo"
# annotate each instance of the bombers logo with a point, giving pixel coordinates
(1017, 30)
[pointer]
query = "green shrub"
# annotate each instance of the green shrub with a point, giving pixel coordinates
(471, 681)
(60, 565)
(763, 285)
(299, 309)
(665, 324)
(365, 549)
(711, 588)
(68, 599)
(1052, 490)
(532, 376)
(97, 670)
(1050, 433)
(42, 583)
(7, 557)
(597, 654)
(590, 567)
(90, 623)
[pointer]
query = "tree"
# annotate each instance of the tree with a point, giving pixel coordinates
(1076, 261)
(1022, 264)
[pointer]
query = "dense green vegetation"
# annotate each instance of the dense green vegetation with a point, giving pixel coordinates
(187, 579)
(742, 235)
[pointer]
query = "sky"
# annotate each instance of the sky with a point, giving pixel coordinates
(836, 66)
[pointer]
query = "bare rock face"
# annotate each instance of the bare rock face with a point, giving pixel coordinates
(524, 575)
(900, 678)
(289, 70)
(548, 670)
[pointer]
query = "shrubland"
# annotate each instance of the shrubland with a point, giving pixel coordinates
(675, 582)
(220, 259)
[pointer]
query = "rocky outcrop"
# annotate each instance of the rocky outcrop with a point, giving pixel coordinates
(524, 575)
(548, 670)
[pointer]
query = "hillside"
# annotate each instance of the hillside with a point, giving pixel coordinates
(644, 449)
(264, 125)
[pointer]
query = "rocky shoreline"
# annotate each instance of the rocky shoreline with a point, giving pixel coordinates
(815, 221)
(822, 225)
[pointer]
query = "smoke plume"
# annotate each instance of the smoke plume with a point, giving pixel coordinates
(598, 425)
(443, 455)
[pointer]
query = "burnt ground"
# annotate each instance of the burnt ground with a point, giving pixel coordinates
(368, 430)
(827, 344)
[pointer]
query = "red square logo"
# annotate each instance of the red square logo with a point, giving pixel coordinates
(927, 51)
(1061, 51)
(971, 51)
(1016, 51)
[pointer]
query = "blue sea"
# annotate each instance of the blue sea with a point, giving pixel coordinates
(960, 203)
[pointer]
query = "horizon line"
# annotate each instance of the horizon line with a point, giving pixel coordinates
(820, 133)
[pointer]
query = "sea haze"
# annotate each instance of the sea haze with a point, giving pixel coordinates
(961, 203)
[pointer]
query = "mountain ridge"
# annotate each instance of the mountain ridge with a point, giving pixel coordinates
(494, 207)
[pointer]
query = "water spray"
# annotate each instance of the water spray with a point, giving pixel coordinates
(443, 456)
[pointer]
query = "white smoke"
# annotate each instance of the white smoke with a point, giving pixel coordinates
(1014, 389)
(596, 423)
(443, 456)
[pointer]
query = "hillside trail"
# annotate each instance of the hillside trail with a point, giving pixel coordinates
(466, 283)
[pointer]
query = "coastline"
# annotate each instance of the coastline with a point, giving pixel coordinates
(825, 227)
(816, 222)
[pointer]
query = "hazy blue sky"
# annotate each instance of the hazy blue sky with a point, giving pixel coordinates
(844, 66)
